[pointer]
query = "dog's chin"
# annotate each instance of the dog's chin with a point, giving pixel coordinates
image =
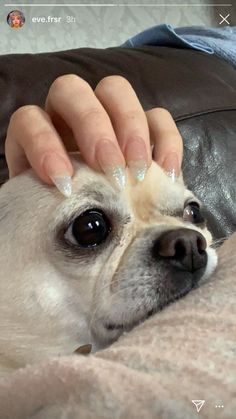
(127, 326)
(107, 332)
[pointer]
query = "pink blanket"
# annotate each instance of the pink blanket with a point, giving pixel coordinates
(186, 352)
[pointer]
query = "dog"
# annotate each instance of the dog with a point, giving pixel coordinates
(86, 269)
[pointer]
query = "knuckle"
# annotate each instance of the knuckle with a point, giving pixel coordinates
(43, 136)
(92, 113)
(109, 82)
(22, 111)
(66, 80)
(134, 114)
(158, 111)
(131, 117)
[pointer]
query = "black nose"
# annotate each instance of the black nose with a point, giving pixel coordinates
(184, 248)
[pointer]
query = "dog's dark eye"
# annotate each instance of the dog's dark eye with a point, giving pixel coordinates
(89, 229)
(192, 213)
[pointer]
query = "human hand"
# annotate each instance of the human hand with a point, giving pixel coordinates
(107, 125)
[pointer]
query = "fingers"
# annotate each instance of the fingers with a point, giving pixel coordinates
(33, 141)
(129, 122)
(167, 141)
(73, 99)
(107, 125)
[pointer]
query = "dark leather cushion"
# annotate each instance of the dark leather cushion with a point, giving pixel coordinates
(198, 89)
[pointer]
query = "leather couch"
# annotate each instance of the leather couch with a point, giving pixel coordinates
(198, 89)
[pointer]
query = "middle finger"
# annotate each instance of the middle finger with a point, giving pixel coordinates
(129, 121)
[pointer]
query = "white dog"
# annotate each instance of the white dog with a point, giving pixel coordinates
(85, 269)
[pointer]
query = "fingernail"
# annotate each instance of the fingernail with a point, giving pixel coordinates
(138, 169)
(111, 162)
(56, 168)
(117, 174)
(63, 184)
(136, 157)
(171, 166)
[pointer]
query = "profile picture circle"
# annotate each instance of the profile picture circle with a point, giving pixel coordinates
(15, 19)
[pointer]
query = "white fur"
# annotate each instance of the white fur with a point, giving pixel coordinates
(51, 303)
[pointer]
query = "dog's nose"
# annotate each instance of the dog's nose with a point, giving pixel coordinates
(185, 248)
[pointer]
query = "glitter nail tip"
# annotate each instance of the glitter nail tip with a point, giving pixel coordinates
(63, 184)
(172, 175)
(116, 173)
(138, 169)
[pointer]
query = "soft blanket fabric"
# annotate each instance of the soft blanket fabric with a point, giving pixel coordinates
(184, 353)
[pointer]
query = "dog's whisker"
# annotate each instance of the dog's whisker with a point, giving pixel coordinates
(115, 294)
(218, 242)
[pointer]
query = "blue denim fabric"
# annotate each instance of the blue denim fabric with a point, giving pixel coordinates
(218, 41)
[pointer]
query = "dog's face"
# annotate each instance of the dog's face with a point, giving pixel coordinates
(87, 268)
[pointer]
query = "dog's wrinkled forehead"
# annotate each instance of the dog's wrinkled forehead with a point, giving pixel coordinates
(157, 193)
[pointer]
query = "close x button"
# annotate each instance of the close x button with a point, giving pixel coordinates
(224, 19)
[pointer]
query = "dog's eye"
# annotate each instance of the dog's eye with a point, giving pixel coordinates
(192, 213)
(89, 229)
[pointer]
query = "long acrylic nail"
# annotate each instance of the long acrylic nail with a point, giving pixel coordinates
(137, 157)
(171, 166)
(117, 174)
(138, 169)
(63, 183)
(110, 161)
(56, 168)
